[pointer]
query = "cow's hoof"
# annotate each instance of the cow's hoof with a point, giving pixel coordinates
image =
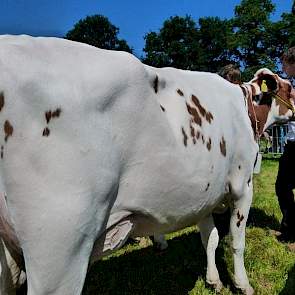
(247, 291)
(217, 286)
(161, 246)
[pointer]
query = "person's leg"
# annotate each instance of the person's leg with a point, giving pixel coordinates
(284, 184)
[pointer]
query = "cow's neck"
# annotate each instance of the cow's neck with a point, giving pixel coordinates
(258, 116)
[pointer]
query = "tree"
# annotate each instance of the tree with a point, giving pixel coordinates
(182, 44)
(252, 37)
(288, 27)
(176, 45)
(98, 31)
(215, 37)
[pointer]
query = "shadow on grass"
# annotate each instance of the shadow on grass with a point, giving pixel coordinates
(259, 218)
(174, 271)
(290, 284)
(144, 271)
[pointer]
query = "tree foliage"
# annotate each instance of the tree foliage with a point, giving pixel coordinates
(253, 32)
(175, 45)
(98, 31)
(215, 38)
(250, 39)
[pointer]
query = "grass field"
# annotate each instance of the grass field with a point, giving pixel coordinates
(181, 268)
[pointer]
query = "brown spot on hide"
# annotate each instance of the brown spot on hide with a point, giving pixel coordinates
(193, 133)
(8, 129)
(198, 134)
(162, 108)
(179, 92)
(203, 139)
(207, 187)
(240, 218)
(194, 113)
(1, 101)
(192, 130)
(46, 132)
(184, 136)
(209, 143)
(239, 167)
(48, 116)
(209, 117)
(56, 113)
(223, 146)
(198, 105)
(156, 84)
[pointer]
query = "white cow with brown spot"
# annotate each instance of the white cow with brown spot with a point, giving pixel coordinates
(98, 147)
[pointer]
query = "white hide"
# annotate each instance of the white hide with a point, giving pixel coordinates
(96, 143)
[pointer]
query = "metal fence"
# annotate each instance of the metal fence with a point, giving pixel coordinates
(274, 139)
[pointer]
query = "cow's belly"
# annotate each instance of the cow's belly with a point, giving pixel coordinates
(169, 191)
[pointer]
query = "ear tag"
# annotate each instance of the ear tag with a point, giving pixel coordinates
(264, 86)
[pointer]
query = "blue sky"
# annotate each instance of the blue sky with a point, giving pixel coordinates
(134, 18)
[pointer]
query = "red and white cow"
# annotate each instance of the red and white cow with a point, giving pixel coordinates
(96, 147)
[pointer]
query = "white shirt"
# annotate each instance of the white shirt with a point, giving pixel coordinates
(291, 131)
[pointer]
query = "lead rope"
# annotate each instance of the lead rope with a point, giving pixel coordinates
(283, 101)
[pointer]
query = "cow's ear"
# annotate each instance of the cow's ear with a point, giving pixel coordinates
(265, 81)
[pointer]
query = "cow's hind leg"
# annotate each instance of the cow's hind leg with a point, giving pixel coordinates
(210, 239)
(57, 241)
(241, 207)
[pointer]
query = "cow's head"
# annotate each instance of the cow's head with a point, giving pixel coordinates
(275, 93)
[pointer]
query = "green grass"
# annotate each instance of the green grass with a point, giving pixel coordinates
(181, 269)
